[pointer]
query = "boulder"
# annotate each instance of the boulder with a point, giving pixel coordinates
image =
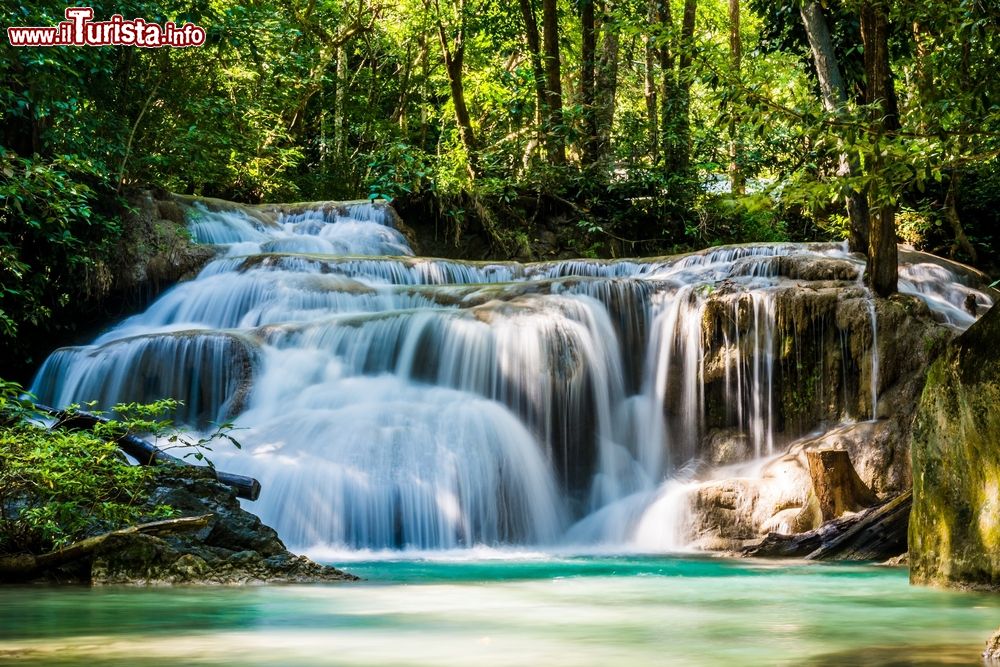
(145, 560)
(209, 539)
(955, 528)
(234, 547)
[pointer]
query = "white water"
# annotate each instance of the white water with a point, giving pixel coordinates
(387, 401)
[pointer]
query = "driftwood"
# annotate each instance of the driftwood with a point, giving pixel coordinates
(21, 567)
(875, 534)
(836, 483)
(146, 453)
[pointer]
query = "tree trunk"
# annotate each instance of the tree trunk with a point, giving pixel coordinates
(874, 534)
(404, 90)
(683, 157)
(453, 61)
(882, 271)
(555, 137)
(338, 104)
(606, 89)
(736, 179)
(668, 85)
(834, 94)
(535, 54)
(951, 215)
(649, 90)
(836, 484)
(425, 75)
(675, 89)
(588, 66)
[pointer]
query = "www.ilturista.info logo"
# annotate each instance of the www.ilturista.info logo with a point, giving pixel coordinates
(79, 30)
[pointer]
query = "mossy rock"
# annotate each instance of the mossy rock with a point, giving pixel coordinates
(955, 525)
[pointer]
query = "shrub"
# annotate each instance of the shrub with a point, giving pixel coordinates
(58, 486)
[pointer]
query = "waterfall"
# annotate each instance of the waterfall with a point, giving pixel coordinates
(391, 401)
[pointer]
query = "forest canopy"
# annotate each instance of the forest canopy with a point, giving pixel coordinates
(655, 125)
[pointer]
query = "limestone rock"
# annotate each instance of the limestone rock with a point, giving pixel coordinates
(955, 528)
(726, 447)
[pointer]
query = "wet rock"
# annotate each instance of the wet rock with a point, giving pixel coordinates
(955, 529)
(811, 268)
(725, 447)
(193, 490)
(752, 502)
(233, 548)
(991, 655)
(144, 560)
(902, 560)
(823, 372)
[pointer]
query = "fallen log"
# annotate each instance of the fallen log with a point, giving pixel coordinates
(145, 452)
(879, 533)
(875, 534)
(22, 567)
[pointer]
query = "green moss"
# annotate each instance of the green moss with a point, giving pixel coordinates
(955, 524)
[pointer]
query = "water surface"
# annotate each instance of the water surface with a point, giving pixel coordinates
(514, 609)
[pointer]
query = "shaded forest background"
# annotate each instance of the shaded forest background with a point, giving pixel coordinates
(593, 128)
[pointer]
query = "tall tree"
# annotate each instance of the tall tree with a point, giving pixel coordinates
(834, 94)
(555, 136)
(675, 58)
(649, 84)
(736, 178)
(606, 84)
(882, 271)
(588, 67)
(686, 48)
(453, 52)
(668, 94)
(535, 55)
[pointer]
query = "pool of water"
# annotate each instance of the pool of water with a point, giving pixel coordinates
(514, 609)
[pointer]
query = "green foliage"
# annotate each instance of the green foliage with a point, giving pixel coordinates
(54, 239)
(153, 420)
(59, 486)
(727, 219)
(330, 99)
(398, 169)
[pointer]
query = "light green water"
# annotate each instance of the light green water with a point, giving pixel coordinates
(515, 610)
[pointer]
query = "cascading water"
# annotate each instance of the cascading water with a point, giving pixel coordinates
(391, 401)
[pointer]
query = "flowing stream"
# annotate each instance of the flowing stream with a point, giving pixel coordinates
(387, 401)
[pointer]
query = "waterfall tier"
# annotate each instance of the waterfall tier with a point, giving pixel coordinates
(388, 401)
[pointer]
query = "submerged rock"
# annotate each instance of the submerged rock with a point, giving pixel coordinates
(991, 655)
(955, 529)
